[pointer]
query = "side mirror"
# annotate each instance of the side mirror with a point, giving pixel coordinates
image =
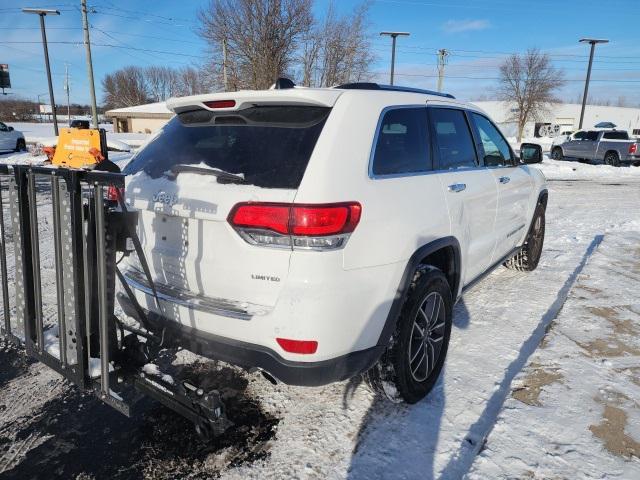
(10, 129)
(530, 153)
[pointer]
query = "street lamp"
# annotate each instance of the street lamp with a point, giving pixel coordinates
(393, 36)
(593, 42)
(42, 12)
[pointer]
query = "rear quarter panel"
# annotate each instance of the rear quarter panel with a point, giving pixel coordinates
(400, 214)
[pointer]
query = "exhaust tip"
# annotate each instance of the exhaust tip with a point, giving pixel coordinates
(269, 377)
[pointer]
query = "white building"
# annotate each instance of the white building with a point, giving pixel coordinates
(563, 117)
(139, 119)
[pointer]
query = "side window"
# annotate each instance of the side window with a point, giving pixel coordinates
(580, 136)
(402, 145)
(593, 136)
(455, 144)
(496, 151)
(616, 135)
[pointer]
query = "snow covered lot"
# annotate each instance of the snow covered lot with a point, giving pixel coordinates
(504, 407)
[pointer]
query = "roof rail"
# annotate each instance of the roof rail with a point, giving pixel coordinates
(393, 88)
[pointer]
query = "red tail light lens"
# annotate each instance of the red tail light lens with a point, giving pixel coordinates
(221, 104)
(321, 227)
(113, 192)
(633, 148)
(261, 216)
(325, 220)
(304, 347)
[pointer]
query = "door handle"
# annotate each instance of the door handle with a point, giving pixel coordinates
(504, 179)
(457, 187)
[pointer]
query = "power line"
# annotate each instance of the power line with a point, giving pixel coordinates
(497, 52)
(138, 12)
(581, 80)
(172, 24)
(99, 30)
(105, 45)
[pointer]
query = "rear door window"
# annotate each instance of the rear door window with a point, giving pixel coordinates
(453, 139)
(496, 151)
(269, 146)
(402, 145)
(592, 136)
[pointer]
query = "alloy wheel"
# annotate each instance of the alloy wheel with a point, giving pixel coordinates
(427, 335)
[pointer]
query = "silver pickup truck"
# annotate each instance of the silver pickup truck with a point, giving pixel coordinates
(611, 147)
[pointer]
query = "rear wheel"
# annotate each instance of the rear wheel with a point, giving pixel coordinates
(412, 363)
(528, 257)
(612, 158)
(556, 153)
(21, 146)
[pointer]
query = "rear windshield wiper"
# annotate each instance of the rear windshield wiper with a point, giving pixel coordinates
(221, 175)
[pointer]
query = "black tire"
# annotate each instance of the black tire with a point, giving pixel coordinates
(556, 154)
(21, 146)
(429, 306)
(612, 158)
(526, 260)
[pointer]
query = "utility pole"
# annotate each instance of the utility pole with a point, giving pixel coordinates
(87, 44)
(224, 64)
(42, 12)
(593, 42)
(393, 36)
(443, 55)
(66, 88)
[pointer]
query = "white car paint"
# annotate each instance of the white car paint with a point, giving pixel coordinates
(341, 298)
(9, 137)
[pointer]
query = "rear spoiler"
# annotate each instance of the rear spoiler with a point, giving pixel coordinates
(245, 98)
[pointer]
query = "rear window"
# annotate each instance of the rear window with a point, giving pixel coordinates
(616, 135)
(269, 146)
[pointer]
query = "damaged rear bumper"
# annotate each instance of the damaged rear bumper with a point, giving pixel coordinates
(250, 355)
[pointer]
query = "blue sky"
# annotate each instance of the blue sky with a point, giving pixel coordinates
(478, 33)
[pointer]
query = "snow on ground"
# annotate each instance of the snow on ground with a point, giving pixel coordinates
(574, 170)
(575, 408)
(344, 431)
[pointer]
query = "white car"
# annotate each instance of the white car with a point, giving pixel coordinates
(11, 139)
(563, 137)
(317, 234)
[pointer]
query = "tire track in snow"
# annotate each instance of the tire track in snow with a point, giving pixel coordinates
(460, 463)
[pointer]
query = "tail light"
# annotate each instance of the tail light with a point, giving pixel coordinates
(633, 148)
(287, 225)
(113, 192)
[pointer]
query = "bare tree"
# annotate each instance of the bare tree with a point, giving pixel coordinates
(529, 82)
(162, 82)
(125, 88)
(260, 36)
(16, 109)
(337, 50)
(193, 81)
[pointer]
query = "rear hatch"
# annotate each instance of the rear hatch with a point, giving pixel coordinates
(187, 180)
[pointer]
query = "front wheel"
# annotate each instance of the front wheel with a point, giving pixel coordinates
(556, 153)
(412, 363)
(526, 260)
(21, 146)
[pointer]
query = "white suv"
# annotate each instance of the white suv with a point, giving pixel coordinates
(316, 234)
